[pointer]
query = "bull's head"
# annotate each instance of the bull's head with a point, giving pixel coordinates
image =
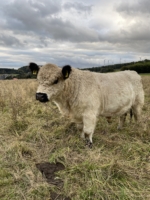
(51, 80)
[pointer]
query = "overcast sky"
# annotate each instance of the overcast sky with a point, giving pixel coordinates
(85, 33)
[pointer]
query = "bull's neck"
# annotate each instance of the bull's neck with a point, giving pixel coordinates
(70, 92)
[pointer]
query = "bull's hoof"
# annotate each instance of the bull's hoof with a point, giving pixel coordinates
(89, 144)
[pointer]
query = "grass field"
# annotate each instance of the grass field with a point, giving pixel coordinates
(33, 134)
(145, 74)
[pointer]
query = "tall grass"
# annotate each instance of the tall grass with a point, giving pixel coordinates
(117, 167)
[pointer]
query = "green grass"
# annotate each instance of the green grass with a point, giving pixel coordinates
(145, 74)
(116, 168)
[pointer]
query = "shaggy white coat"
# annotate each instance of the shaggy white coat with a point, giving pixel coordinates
(85, 95)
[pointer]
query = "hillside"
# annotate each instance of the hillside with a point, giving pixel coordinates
(8, 71)
(22, 72)
(140, 67)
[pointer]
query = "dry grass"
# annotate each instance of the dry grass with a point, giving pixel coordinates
(118, 166)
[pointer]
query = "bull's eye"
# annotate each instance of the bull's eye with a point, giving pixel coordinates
(56, 81)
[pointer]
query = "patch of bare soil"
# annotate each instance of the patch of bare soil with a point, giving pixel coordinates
(49, 170)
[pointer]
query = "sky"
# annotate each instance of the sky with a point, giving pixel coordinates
(83, 34)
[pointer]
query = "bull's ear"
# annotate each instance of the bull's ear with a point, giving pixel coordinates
(66, 70)
(34, 68)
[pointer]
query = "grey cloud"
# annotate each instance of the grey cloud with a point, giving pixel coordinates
(20, 15)
(129, 8)
(46, 8)
(25, 16)
(73, 32)
(137, 32)
(127, 38)
(6, 40)
(32, 8)
(134, 29)
(65, 30)
(29, 15)
(79, 7)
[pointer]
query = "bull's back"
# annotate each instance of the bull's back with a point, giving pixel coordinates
(109, 93)
(118, 91)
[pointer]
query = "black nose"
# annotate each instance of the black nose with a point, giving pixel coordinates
(42, 97)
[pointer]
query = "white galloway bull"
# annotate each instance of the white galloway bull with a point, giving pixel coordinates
(84, 95)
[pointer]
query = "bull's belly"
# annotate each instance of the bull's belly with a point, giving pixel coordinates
(118, 101)
(116, 111)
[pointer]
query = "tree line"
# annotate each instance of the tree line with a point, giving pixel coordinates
(140, 67)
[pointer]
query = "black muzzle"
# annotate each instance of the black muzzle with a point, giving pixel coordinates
(42, 97)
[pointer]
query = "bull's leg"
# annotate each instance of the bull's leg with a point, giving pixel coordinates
(137, 112)
(79, 126)
(88, 129)
(122, 121)
(131, 114)
(109, 120)
(83, 135)
(137, 107)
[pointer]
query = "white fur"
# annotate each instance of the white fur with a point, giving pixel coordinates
(86, 95)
